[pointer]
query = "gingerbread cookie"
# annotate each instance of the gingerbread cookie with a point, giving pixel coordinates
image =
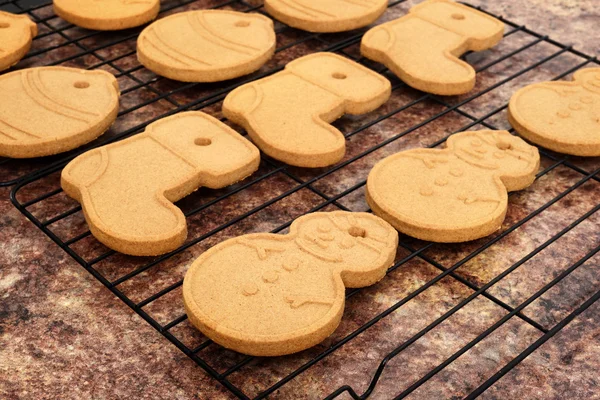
(127, 189)
(49, 110)
(218, 45)
(456, 194)
(561, 116)
(288, 114)
(326, 15)
(16, 34)
(107, 15)
(422, 48)
(266, 295)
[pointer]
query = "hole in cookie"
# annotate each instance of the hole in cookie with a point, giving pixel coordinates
(458, 16)
(504, 145)
(357, 231)
(202, 142)
(338, 75)
(4, 25)
(81, 85)
(242, 24)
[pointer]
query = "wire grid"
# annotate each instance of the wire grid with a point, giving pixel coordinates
(277, 194)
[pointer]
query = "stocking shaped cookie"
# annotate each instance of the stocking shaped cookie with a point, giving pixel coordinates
(326, 15)
(107, 15)
(16, 34)
(561, 116)
(422, 48)
(266, 295)
(127, 189)
(288, 114)
(49, 110)
(456, 194)
(218, 45)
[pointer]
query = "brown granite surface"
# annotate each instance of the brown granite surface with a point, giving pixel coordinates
(63, 335)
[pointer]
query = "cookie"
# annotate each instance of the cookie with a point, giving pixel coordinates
(127, 189)
(455, 194)
(288, 114)
(16, 34)
(218, 45)
(107, 15)
(422, 47)
(48, 110)
(266, 295)
(326, 15)
(561, 116)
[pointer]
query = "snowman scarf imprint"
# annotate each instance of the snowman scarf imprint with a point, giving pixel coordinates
(266, 294)
(455, 194)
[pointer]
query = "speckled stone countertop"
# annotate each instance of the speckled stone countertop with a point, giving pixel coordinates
(63, 335)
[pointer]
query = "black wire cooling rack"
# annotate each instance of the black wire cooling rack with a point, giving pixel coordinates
(509, 273)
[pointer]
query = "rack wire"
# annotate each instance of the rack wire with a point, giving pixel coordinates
(430, 288)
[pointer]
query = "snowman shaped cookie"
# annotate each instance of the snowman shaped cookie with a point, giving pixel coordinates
(266, 294)
(561, 116)
(455, 194)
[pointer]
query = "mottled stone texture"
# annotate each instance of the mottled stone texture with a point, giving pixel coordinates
(63, 335)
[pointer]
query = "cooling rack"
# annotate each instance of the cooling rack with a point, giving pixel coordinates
(440, 310)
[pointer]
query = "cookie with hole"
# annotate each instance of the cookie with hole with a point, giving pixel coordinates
(49, 110)
(326, 15)
(288, 114)
(267, 294)
(218, 45)
(454, 194)
(423, 47)
(127, 189)
(560, 116)
(16, 35)
(107, 15)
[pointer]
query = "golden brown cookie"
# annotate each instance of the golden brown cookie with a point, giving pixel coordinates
(127, 189)
(267, 295)
(561, 116)
(288, 114)
(49, 110)
(326, 15)
(422, 48)
(107, 15)
(218, 45)
(456, 194)
(16, 34)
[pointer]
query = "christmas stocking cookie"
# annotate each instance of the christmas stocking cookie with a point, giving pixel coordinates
(456, 194)
(288, 114)
(422, 48)
(266, 295)
(127, 189)
(561, 116)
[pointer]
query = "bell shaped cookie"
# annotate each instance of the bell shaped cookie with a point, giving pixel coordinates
(267, 295)
(218, 45)
(326, 15)
(455, 194)
(288, 114)
(48, 110)
(422, 48)
(127, 189)
(561, 116)
(107, 15)
(16, 34)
